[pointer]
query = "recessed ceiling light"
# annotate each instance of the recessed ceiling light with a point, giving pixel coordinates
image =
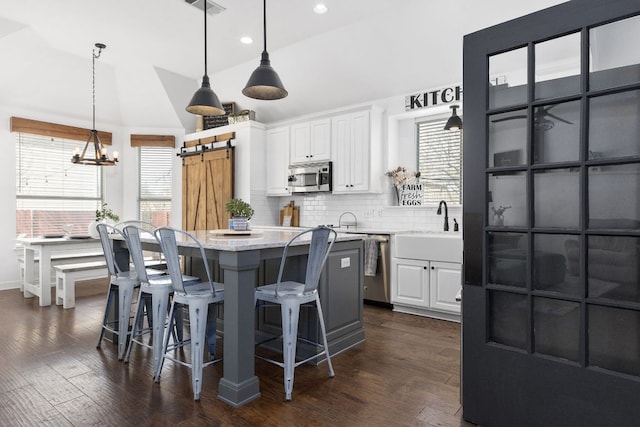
(246, 40)
(320, 8)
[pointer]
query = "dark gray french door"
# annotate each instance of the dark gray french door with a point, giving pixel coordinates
(551, 295)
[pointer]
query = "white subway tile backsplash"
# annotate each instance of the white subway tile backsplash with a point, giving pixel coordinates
(372, 211)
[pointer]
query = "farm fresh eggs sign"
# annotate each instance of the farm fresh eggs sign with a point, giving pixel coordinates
(410, 195)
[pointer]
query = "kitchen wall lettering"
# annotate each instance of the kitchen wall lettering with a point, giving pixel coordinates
(432, 98)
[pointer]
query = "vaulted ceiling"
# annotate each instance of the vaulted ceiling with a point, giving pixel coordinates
(360, 50)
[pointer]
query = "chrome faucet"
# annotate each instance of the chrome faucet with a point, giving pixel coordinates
(355, 220)
(446, 214)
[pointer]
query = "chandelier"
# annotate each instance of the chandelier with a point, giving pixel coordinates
(94, 152)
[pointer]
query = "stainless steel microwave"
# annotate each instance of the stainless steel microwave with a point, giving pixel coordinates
(310, 178)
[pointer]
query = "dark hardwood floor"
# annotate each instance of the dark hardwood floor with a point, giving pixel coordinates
(406, 373)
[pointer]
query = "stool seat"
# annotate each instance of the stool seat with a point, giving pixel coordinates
(284, 289)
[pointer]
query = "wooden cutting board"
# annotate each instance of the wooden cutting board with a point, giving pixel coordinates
(295, 218)
(292, 211)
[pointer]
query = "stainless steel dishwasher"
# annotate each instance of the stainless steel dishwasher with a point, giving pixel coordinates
(377, 288)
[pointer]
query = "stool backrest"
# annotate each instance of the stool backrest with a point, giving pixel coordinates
(168, 238)
(132, 236)
(143, 225)
(322, 240)
(108, 246)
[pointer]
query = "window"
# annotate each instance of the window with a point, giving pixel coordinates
(439, 162)
(154, 200)
(52, 192)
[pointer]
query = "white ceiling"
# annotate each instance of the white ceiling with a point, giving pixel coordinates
(360, 50)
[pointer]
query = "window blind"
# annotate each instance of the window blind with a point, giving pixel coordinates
(154, 201)
(50, 190)
(439, 162)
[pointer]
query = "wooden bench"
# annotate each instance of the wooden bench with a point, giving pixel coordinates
(64, 258)
(68, 274)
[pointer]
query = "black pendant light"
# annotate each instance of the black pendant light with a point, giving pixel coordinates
(264, 82)
(454, 122)
(205, 102)
(94, 153)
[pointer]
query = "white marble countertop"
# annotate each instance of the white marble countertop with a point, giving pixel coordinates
(350, 229)
(260, 238)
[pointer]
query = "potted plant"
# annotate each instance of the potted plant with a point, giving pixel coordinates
(104, 214)
(241, 212)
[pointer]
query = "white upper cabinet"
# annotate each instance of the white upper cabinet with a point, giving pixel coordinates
(356, 152)
(311, 141)
(277, 161)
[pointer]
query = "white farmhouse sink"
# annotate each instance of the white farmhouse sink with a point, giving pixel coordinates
(432, 246)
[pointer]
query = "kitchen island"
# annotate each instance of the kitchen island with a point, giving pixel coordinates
(244, 262)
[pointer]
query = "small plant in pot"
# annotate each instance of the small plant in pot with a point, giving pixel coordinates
(241, 212)
(104, 214)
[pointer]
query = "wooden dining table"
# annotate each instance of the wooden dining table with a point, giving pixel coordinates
(239, 257)
(41, 249)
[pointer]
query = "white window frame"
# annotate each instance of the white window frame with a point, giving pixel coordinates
(445, 155)
(158, 177)
(56, 191)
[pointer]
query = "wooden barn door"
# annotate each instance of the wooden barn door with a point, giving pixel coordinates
(207, 184)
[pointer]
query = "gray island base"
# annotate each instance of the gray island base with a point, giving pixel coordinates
(244, 262)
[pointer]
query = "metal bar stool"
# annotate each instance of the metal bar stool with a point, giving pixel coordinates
(122, 284)
(197, 297)
(159, 289)
(290, 295)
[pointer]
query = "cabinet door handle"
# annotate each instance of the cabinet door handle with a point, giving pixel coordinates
(433, 268)
(425, 267)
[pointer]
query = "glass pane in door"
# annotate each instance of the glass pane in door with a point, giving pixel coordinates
(556, 198)
(556, 326)
(558, 67)
(508, 313)
(614, 339)
(613, 196)
(556, 263)
(614, 57)
(508, 78)
(556, 133)
(508, 139)
(507, 259)
(614, 267)
(509, 199)
(613, 125)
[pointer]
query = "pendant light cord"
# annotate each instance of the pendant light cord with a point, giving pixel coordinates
(264, 23)
(94, 87)
(93, 79)
(204, 11)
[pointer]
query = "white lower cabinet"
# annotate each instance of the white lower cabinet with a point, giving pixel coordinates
(445, 282)
(412, 282)
(426, 288)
